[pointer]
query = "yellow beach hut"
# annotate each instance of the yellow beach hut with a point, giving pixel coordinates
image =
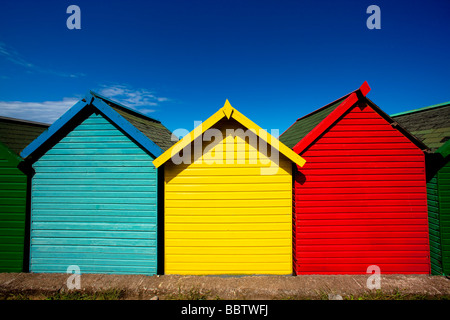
(228, 199)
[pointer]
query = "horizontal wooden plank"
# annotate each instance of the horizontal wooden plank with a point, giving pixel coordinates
(369, 260)
(95, 188)
(359, 244)
(355, 190)
(229, 171)
(213, 179)
(94, 157)
(356, 159)
(93, 206)
(350, 151)
(56, 180)
(358, 203)
(230, 203)
(48, 217)
(357, 228)
(363, 171)
(231, 211)
(229, 268)
(110, 256)
(402, 148)
(350, 139)
(115, 234)
(94, 194)
(229, 250)
(101, 170)
(92, 200)
(369, 221)
(227, 258)
(363, 208)
(209, 226)
(95, 145)
(93, 226)
(360, 127)
(361, 183)
(217, 236)
(281, 217)
(55, 249)
(224, 243)
(94, 213)
(103, 242)
(362, 234)
(229, 195)
(44, 268)
(358, 197)
(113, 152)
(95, 138)
(263, 187)
(93, 261)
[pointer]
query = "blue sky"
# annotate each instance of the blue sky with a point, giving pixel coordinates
(178, 61)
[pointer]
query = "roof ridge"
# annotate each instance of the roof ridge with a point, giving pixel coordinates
(25, 121)
(421, 109)
(95, 94)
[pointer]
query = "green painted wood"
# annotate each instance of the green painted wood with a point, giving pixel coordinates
(13, 188)
(443, 178)
(94, 204)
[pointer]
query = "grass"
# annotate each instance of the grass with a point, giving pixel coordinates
(192, 294)
(69, 295)
(396, 295)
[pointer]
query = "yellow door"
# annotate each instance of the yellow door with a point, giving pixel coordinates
(228, 217)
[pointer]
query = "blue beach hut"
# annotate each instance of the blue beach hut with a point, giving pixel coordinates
(94, 198)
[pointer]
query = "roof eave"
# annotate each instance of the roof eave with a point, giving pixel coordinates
(102, 107)
(229, 112)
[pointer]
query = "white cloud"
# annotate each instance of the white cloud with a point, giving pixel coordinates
(13, 56)
(47, 111)
(133, 98)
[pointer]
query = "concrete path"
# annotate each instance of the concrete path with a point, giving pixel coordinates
(245, 287)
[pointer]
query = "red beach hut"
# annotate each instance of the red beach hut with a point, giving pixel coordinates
(360, 199)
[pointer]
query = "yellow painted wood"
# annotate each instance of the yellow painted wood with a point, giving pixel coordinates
(250, 211)
(272, 268)
(250, 250)
(228, 218)
(228, 112)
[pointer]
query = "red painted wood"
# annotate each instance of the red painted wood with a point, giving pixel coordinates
(360, 199)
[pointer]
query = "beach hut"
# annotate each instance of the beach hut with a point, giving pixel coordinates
(360, 200)
(15, 134)
(228, 199)
(94, 197)
(431, 125)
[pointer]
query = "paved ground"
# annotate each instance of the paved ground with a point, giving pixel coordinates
(247, 287)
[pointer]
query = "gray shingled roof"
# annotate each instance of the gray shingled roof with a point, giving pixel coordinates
(16, 134)
(305, 124)
(150, 127)
(431, 125)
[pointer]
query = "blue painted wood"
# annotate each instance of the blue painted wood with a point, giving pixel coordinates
(92, 209)
(91, 125)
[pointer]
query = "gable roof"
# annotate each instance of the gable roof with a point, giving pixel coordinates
(320, 120)
(227, 111)
(115, 112)
(305, 124)
(16, 134)
(150, 127)
(431, 125)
